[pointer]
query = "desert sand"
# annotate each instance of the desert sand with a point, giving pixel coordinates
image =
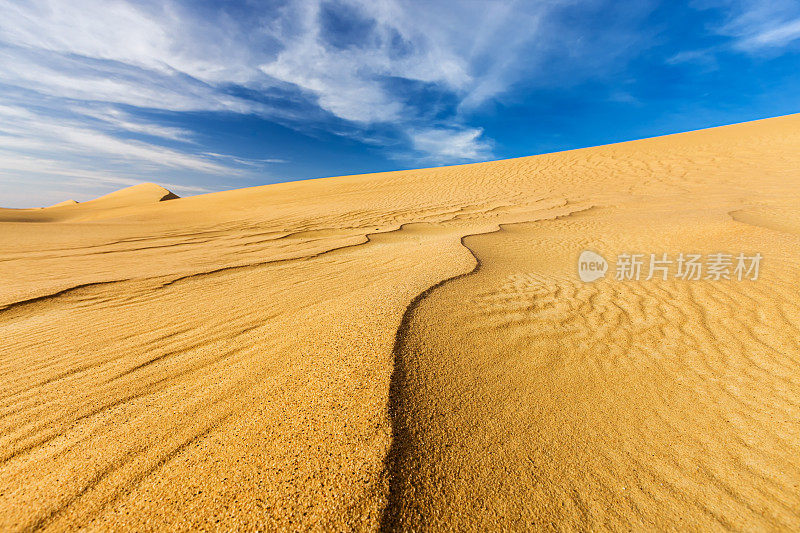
(412, 350)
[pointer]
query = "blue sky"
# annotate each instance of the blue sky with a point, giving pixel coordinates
(96, 95)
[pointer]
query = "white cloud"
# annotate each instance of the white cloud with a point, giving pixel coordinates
(349, 81)
(162, 37)
(452, 145)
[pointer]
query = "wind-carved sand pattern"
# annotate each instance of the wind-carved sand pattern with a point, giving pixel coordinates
(412, 350)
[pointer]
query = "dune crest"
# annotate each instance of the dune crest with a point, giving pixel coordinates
(64, 203)
(413, 350)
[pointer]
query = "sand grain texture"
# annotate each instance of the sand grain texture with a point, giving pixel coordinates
(412, 350)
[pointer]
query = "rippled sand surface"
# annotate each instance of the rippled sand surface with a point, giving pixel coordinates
(412, 350)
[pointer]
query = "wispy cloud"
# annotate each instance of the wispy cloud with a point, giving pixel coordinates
(772, 35)
(754, 26)
(26, 131)
(246, 161)
(120, 121)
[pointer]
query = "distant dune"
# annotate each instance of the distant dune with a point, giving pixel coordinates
(136, 194)
(111, 205)
(413, 350)
(64, 203)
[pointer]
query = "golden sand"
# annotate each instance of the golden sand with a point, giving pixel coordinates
(412, 350)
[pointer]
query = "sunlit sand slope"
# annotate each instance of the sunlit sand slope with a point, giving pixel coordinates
(412, 350)
(657, 404)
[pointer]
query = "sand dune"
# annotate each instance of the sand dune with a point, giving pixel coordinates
(65, 203)
(412, 350)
